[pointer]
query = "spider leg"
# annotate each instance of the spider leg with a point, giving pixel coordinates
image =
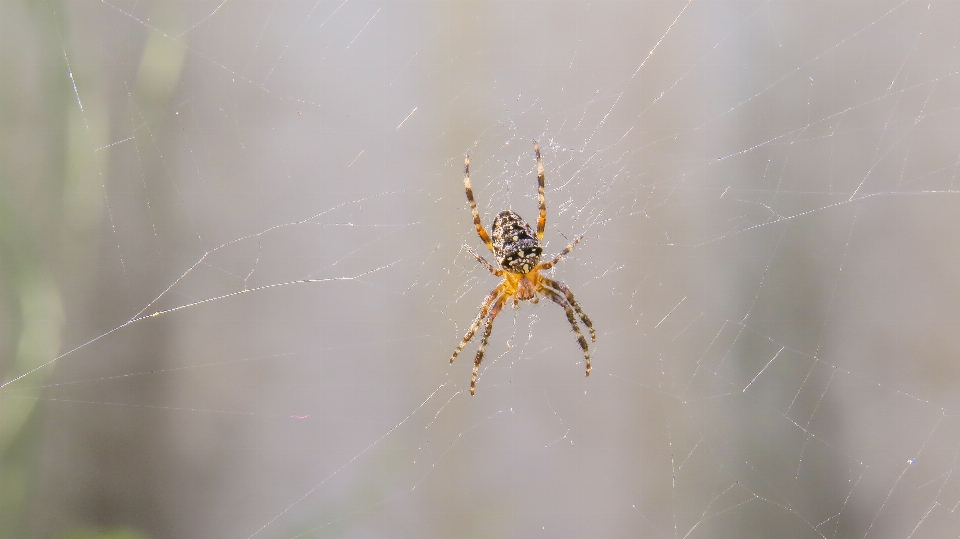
(494, 311)
(553, 262)
(559, 286)
(483, 261)
(473, 205)
(559, 300)
(542, 220)
(484, 307)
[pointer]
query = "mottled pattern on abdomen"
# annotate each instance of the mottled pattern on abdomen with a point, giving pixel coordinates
(514, 243)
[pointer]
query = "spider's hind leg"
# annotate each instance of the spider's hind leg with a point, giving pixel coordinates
(542, 220)
(473, 205)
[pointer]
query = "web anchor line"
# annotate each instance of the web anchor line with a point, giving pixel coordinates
(193, 304)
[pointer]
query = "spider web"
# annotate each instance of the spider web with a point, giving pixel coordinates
(255, 274)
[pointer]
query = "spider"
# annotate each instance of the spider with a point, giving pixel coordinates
(517, 252)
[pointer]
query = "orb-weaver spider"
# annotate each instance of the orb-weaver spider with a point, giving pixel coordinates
(518, 251)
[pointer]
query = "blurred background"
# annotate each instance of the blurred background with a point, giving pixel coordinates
(232, 273)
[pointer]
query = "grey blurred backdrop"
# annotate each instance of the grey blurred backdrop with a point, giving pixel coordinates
(768, 196)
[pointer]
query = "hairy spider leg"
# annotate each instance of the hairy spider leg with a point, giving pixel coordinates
(559, 300)
(559, 286)
(473, 205)
(483, 261)
(491, 316)
(542, 221)
(484, 307)
(553, 262)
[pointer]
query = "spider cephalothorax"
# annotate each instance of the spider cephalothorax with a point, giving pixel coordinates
(518, 250)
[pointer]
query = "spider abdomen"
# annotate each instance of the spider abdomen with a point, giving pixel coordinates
(515, 245)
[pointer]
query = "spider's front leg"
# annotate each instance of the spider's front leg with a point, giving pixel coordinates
(561, 301)
(565, 290)
(484, 307)
(494, 311)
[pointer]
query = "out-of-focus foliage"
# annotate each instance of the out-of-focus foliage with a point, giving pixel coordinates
(108, 534)
(34, 170)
